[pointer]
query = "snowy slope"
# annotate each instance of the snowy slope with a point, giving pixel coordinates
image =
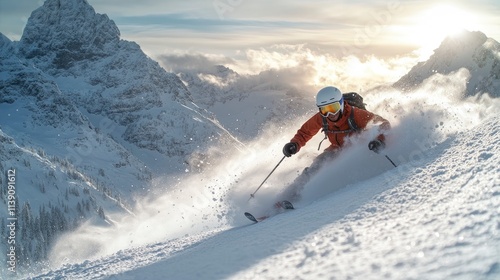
(435, 216)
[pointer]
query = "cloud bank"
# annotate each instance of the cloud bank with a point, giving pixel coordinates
(300, 66)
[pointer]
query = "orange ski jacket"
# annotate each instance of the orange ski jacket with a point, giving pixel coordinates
(339, 129)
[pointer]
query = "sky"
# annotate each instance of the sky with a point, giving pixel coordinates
(225, 30)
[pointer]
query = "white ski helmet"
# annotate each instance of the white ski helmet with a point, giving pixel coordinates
(329, 95)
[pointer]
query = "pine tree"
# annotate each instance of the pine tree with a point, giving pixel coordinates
(25, 222)
(100, 211)
(2, 229)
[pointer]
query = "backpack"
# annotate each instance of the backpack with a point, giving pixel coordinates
(356, 101)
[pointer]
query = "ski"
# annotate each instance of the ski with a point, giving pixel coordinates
(252, 217)
(285, 204)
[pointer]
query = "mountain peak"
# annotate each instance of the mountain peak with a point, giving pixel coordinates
(473, 51)
(68, 26)
(463, 39)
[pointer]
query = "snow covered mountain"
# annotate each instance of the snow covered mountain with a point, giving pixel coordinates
(473, 53)
(110, 78)
(87, 121)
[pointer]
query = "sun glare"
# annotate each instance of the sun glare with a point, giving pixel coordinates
(440, 21)
(445, 20)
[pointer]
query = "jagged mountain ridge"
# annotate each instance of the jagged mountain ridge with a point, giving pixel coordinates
(113, 78)
(474, 51)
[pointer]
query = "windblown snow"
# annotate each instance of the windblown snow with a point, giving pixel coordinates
(435, 216)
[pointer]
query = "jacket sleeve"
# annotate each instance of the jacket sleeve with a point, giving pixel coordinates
(362, 118)
(307, 131)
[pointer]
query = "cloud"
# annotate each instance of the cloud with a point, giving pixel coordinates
(305, 68)
(317, 68)
(150, 7)
(357, 29)
(189, 62)
(197, 24)
(369, 27)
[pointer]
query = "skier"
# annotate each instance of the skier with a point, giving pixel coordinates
(339, 120)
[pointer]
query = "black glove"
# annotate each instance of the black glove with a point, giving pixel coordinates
(376, 146)
(290, 149)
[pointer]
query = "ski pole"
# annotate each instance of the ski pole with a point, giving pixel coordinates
(387, 157)
(253, 195)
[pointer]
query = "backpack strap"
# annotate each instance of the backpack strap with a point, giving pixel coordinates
(351, 122)
(325, 130)
(325, 125)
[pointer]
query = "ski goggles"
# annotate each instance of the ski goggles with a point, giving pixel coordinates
(332, 108)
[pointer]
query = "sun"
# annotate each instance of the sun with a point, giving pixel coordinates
(438, 22)
(444, 20)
